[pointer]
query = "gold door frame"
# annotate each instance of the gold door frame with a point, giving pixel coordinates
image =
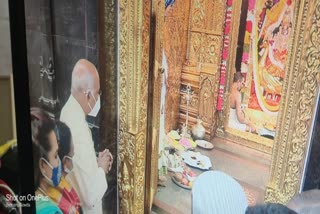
(134, 28)
(155, 83)
(297, 108)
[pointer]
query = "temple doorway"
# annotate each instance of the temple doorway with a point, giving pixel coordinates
(204, 44)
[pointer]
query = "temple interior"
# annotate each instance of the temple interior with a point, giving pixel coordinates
(188, 87)
(196, 37)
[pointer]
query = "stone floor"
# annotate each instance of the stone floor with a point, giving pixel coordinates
(243, 165)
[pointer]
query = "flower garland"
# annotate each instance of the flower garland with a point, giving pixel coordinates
(250, 19)
(225, 52)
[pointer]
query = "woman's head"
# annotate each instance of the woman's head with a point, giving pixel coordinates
(45, 149)
(66, 148)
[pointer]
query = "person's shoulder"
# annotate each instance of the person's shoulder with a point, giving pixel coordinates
(47, 206)
(69, 110)
(237, 97)
(65, 114)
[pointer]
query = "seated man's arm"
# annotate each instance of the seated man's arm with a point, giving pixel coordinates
(240, 116)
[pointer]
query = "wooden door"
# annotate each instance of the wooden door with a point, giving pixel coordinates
(154, 94)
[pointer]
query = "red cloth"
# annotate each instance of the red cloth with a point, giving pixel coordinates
(65, 196)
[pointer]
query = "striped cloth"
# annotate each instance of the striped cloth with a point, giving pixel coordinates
(216, 192)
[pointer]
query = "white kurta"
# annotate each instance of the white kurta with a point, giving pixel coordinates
(88, 180)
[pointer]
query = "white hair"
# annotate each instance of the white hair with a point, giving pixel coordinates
(217, 192)
(82, 79)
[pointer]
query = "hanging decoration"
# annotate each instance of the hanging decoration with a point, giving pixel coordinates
(225, 52)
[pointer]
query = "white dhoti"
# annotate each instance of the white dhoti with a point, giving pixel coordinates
(162, 161)
(234, 122)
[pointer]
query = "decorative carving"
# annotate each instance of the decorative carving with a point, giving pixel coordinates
(108, 72)
(300, 90)
(175, 39)
(196, 46)
(126, 158)
(210, 15)
(204, 53)
(193, 102)
(134, 18)
(213, 49)
(265, 145)
(219, 11)
(206, 99)
(126, 190)
(198, 14)
(291, 144)
(139, 173)
(124, 62)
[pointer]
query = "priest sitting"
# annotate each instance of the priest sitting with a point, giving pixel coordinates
(237, 119)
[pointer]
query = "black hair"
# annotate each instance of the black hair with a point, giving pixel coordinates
(41, 127)
(237, 76)
(269, 208)
(39, 114)
(64, 139)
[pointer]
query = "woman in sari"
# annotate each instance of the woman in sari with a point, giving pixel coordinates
(47, 165)
(64, 195)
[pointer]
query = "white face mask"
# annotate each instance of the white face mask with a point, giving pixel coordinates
(94, 111)
(66, 169)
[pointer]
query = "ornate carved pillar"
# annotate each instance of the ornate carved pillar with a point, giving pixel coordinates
(134, 28)
(202, 61)
(302, 86)
(108, 132)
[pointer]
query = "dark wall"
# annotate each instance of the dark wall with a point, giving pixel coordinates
(38, 43)
(75, 37)
(312, 172)
(65, 31)
(107, 23)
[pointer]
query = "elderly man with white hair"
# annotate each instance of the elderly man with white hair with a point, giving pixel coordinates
(218, 193)
(88, 176)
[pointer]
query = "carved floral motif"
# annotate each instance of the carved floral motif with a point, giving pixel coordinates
(212, 49)
(126, 160)
(198, 13)
(134, 18)
(206, 99)
(289, 157)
